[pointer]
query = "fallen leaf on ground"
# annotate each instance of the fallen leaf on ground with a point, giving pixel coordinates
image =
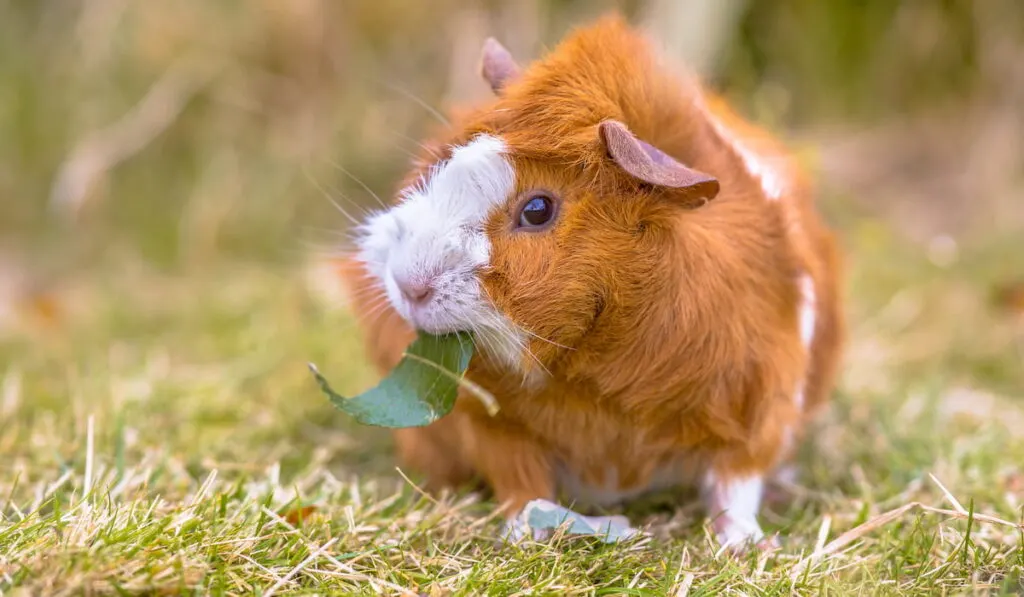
(543, 514)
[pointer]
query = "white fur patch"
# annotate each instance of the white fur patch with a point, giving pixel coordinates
(733, 505)
(436, 235)
(808, 310)
(808, 315)
(773, 181)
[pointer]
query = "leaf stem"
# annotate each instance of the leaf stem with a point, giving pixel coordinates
(486, 398)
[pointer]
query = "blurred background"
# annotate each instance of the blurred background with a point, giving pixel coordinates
(167, 169)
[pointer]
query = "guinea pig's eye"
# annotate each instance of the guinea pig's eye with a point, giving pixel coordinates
(538, 210)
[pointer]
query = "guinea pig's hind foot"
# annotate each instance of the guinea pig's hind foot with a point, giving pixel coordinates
(733, 503)
(736, 535)
(735, 540)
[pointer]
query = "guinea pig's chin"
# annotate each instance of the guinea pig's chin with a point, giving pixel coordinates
(431, 326)
(428, 320)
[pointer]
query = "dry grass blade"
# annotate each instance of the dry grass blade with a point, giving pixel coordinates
(949, 496)
(852, 535)
(684, 587)
(883, 519)
(294, 571)
(826, 525)
(965, 515)
(89, 452)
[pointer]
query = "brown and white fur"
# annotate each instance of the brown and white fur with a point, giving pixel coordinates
(677, 318)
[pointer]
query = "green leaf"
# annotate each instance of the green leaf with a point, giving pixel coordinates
(420, 390)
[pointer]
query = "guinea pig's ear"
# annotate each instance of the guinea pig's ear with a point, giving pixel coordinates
(497, 65)
(653, 166)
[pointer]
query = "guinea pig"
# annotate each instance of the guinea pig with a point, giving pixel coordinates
(654, 298)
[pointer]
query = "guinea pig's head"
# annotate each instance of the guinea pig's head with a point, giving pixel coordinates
(536, 207)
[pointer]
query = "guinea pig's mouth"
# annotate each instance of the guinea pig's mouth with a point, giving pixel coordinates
(440, 324)
(431, 317)
(462, 309)
(438, 301)
(477, 321)
(439, 329)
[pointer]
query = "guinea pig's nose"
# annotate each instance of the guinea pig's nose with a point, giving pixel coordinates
(416, 291)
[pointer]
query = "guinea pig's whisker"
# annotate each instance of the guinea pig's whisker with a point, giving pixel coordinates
(539, 337)
(364, 212)
(423, 104)
(344, 254)
(376, 288)
(524, 345)
(347, 237)
(359, 182)
(368, 293)
(377, 295)
(526, 331)
(330, 250)
(373, 305)
(536, 360)
(433, 152)
(319, 248)
(349, 253)
(510, 328)
(508, 333)
(327, 195)
(376, 298)
(413, 158)
(368, 317)
(486, 342)
(527, 350)
(371, 316)
(376, 310)
(342, 211)
(469, 338)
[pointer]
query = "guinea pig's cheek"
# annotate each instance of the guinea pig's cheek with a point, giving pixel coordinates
(495, 287)
(477, 249)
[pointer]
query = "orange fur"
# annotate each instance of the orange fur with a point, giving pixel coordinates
(670, 333)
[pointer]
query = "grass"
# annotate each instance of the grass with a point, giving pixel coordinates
(166, 437)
